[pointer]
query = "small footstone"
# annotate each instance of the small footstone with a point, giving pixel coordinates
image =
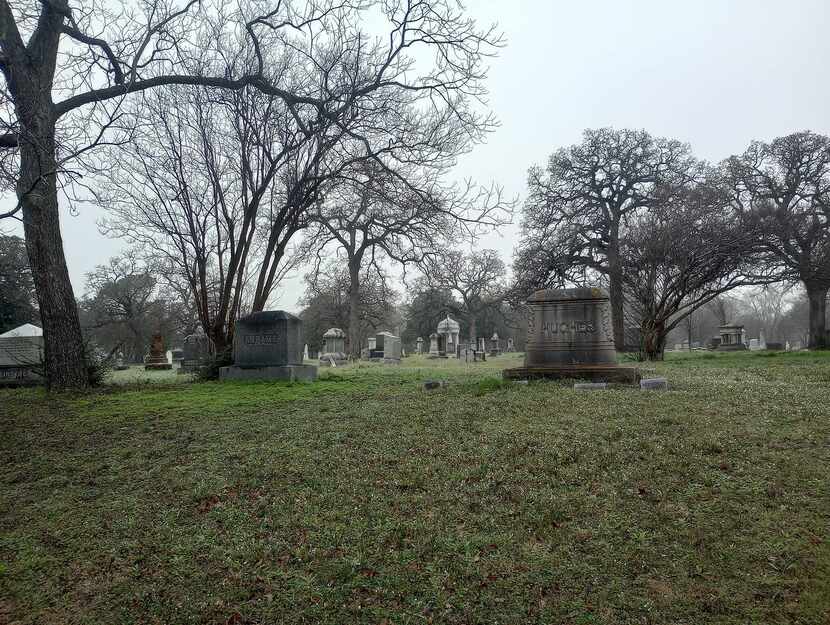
(654, 384)
(590, 386)
(432, 384)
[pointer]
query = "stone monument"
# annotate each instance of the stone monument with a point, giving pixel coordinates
(196, 351)
(387, 348)
(334, 348)
(268, 345)
(419, 346)
(495, 345)
(22, 356)
(157, 360)
(177, 356)
(433, 346)
(731, 338)
(448, 331)
(510, 347)
(569, 335)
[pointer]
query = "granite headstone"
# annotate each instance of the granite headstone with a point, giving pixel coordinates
(268, 345)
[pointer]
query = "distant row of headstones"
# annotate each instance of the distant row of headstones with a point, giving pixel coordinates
(569, 335)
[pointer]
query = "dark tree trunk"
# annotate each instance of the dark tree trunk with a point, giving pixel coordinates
(653, 341)
(38, 195)
(354, 310)
(689, 331)
(222, 342)
(473, 331)
(615, 291)
(817, 296)
(615, 287)
(29, 72)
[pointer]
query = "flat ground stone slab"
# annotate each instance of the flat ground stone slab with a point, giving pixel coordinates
(654, 384)
(594, 373)
(590, 386)
(433, 384)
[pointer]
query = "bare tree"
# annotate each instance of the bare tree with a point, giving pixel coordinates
(770, 304)
(478, 279)
(782, 189)
(681, 255)
(578, 207)
(374, 214)
(68, 70)
(327, 302)
(206, 186)
(723, 307)
(122, 307)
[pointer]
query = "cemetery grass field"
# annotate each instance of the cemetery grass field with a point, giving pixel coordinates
(363, 498)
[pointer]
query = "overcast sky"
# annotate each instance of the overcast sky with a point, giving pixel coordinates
(714, 73)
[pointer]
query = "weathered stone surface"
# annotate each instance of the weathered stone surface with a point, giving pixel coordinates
(654, 384)
(430, 385)
(569, 327)
(448, 337)
(570, 337)
(387, 348)
(434, 351)
(590, 386)
(594, 373)
(268, 345)
(289, 373)
(334, 348)
(268, 338)
(731, 338)
(495, 344)
(157, 360)
(196, 348)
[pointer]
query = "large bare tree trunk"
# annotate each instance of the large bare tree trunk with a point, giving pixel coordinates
(354, 310)
(615, 291)
(653, 340)
(38, 195)
(817, 297)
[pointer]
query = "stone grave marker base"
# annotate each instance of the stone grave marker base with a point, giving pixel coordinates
(731, 348)
(290, 373)
(158, 366)
(594, 373)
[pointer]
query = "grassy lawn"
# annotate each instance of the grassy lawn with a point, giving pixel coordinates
(363, 498)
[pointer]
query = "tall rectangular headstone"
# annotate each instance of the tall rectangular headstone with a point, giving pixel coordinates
(268, 345)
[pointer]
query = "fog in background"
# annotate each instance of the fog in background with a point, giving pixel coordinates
(714, 73)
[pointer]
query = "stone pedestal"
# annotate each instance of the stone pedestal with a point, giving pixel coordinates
(287, 373)
(434, 351)
(268, 345)
(157, 360)
(495, 345)
(569, 336)
(732, 338)
(334, 348)
(448, 333)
